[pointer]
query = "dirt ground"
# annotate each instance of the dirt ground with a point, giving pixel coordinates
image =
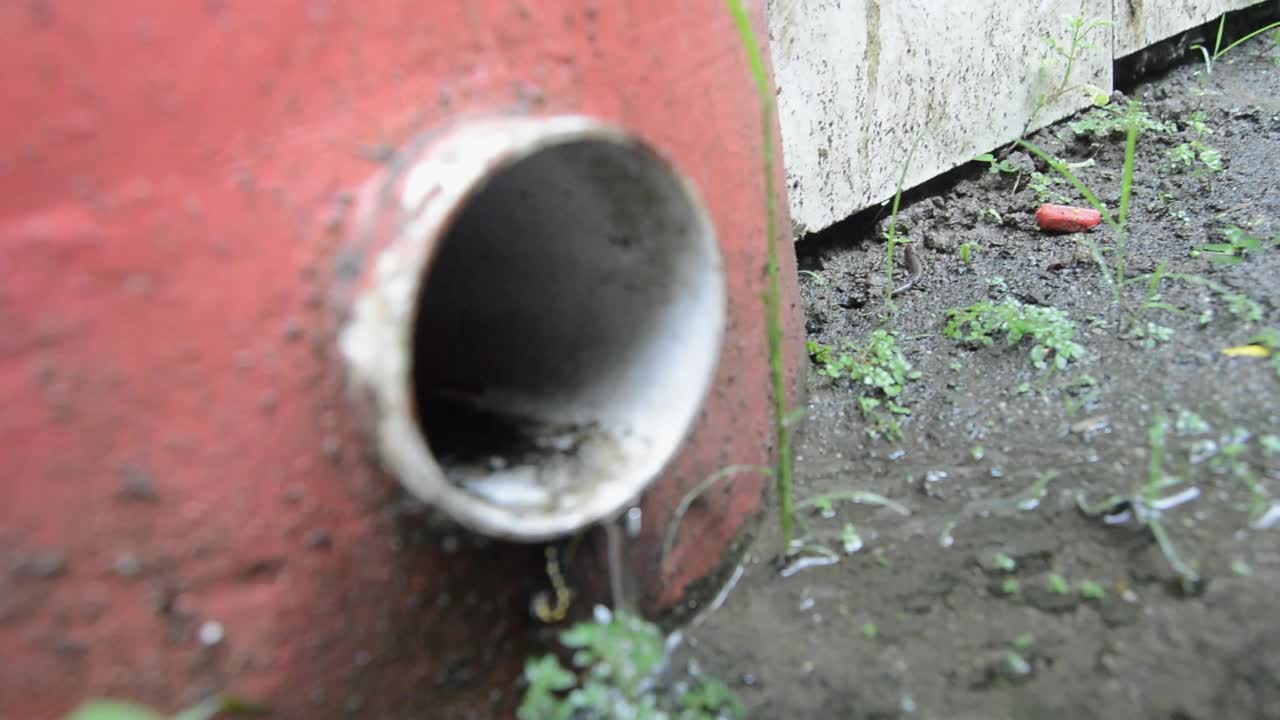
(923, 621)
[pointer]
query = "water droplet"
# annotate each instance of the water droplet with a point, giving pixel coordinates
(211, 633)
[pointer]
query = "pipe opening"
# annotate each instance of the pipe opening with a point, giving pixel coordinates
(566, 330)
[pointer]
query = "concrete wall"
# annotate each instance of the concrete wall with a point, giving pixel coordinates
(1140, 23)
(860, 81)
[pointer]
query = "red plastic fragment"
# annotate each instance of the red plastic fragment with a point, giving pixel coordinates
(1066, 219)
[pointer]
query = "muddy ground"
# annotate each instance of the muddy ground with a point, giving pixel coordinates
(923, 620)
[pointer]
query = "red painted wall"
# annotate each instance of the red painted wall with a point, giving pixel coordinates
(176, 448)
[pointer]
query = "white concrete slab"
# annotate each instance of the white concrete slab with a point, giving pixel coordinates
(861, 80)
(1140, 23)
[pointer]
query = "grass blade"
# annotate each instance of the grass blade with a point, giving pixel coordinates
(773, 293)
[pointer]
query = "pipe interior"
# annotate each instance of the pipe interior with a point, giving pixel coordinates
(567, 329)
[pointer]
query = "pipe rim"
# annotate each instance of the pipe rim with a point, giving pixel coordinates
(379, 342)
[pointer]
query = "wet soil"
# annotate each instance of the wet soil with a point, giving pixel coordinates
(923, 621)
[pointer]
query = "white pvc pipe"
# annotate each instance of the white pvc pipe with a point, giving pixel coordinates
(537, 339)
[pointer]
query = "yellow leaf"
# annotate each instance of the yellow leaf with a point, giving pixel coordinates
(1256, 351)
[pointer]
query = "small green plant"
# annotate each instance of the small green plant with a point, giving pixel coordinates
(1211, 59)
(773, 291)
(1107, 122)
(1152, 334)
(806, 552)
(1147, 506)
(619, 660)
(870, 631)
(1197, 123)
(1232, 252)
(1153, 299)
(1005, 563)
(1017, 664)
(1270, 445)
(1243, 307)
(1231, 459)
(1024, 641)
(825, 503)
(996, 217)
(995, 166)
(1070, 53)
(1092, 590)
(966, 251)
(1114, 275)
(1190, 423)
(1050, 330)
(1184, 157)
(1166, 202)
(1058, 585)
(1269, 339)
(1011, 586)
(1195, 157)
(1048, 188)
(879, 369)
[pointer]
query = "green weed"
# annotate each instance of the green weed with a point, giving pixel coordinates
(1070, 53)
(1232, 252)
(1092, 590)
(879, 369)
(1211, 59)
(826, 502)
(1107, 122)
(1195, 157)
(1113, 275)
(1058, 585)
(1230, 459)
(1048, 188)
(1270, 445)
(807, 553)
(995, 216)
(1147, 506)
(1050, 330)
(1196, 123)
(1153, 299)
(851, 540)
(618, 659)
(1243, 307)
(773, 293)
(1152, 334)
(995, 166)
(1190, 423)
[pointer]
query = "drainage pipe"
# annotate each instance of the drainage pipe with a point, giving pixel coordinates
(536, 337)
